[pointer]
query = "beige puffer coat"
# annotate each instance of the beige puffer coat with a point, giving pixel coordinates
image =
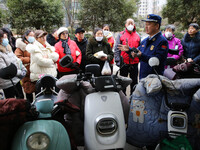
(43, 60)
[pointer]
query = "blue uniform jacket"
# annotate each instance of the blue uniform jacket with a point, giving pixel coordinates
(155, 47)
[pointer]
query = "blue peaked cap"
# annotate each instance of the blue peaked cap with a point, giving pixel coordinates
(153, 18)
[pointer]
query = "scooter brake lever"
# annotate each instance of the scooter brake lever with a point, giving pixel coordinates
(33, 111)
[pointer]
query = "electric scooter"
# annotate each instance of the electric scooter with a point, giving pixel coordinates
(177, 118)
(42, 133)
(163, 108)
(104, 123)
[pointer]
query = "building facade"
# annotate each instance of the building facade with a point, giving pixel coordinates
(150, 6)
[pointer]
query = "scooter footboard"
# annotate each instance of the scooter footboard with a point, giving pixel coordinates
(104, 126)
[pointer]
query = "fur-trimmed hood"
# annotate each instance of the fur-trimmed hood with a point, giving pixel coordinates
(20, 44)
(195, 39)
(93, 41)
(3, 49)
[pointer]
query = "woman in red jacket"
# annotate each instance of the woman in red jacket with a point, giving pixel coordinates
(110, 38)
(108, 35)
(67, 47)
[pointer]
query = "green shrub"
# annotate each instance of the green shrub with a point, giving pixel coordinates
(72, 36)
(88, 35)
(178, 35)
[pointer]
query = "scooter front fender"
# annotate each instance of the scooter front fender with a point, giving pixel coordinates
(59, 139)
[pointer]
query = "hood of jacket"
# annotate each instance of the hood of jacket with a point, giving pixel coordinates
(93, 41)
(109, 35)
(195, 39)
(38, 47)
(20, 44)
(3, 49)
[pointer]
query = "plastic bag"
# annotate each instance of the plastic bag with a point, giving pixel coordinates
(106, 69)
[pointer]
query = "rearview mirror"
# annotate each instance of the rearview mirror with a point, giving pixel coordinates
(154, 61)
(66, 61)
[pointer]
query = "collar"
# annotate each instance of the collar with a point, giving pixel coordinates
(150, 38)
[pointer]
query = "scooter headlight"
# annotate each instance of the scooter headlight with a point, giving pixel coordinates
(38, 141)
(106, 126)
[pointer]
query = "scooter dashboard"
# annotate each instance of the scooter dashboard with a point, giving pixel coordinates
(107, 83)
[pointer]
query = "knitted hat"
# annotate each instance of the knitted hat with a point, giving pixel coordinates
(61, 29)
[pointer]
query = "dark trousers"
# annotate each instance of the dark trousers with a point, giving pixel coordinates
(29, 97)
(11, 92)
(132, 71)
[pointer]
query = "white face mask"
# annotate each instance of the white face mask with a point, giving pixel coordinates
(99, 38)
(130, 27)
(168, 35)
(105, 33)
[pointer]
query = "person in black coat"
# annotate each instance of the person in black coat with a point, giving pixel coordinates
(52, 38)
(191, 44)
(81, 42)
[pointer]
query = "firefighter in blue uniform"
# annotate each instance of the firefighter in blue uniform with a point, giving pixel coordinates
(155, 45)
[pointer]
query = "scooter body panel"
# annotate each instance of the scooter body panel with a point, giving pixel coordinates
(59, 139)
(104, 126)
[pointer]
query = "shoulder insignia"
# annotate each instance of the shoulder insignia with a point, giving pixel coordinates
(153, 39)
(164, 46)
(152, 47)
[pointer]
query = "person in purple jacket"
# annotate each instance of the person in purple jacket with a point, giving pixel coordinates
(174, 43)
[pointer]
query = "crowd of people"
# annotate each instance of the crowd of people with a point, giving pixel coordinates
(39, 53)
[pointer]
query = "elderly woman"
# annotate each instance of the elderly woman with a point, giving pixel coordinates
(96, 44)
(43, 57)
(67, 47)
(108, 35)
(191, 43)
(174, 43)
(24, 55)
(6, 58)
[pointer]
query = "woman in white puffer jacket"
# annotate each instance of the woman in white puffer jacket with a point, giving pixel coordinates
(43, 57)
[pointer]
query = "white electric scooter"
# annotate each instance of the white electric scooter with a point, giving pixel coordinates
(104, 125)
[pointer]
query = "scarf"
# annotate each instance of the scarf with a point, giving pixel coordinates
(66, 47)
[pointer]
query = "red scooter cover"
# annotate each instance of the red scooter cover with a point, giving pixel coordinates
(13, 113)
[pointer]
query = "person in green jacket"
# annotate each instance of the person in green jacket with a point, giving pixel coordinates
(98, 43)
